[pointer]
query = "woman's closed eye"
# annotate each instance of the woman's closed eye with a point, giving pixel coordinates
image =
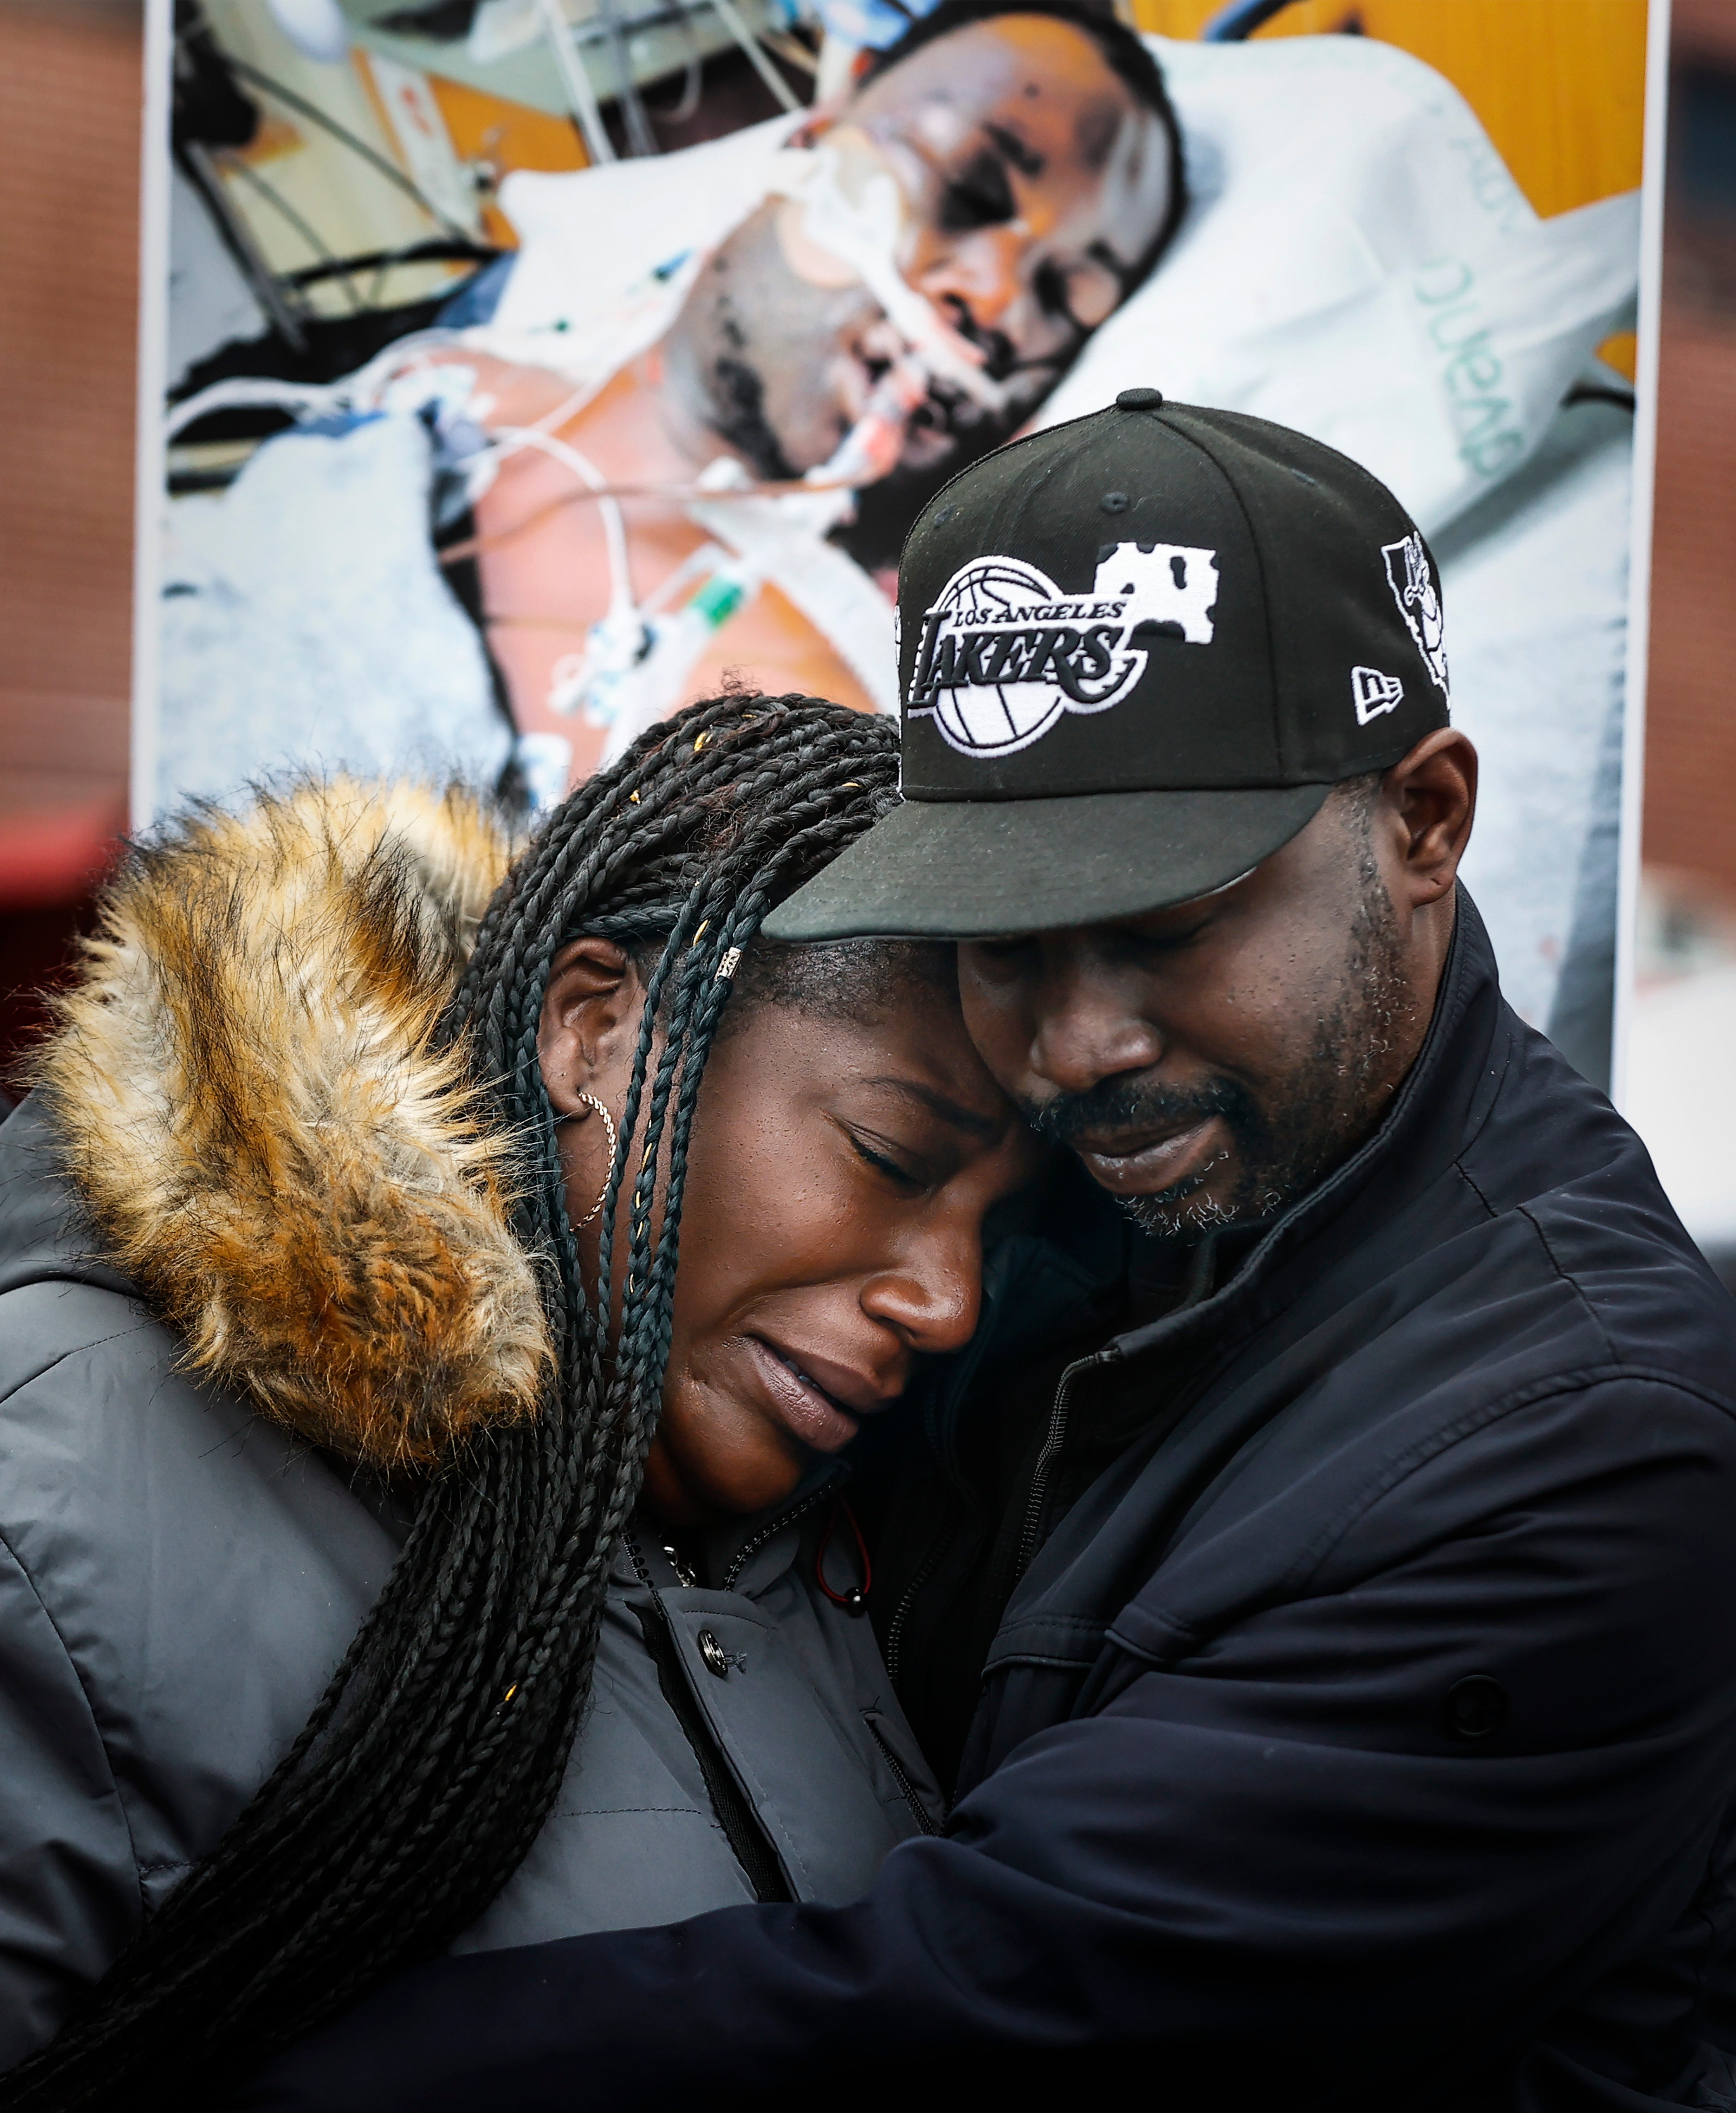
(893, 1161)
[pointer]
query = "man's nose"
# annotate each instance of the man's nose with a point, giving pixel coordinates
(930, 1298)
(1085, 1033)
(981, 270)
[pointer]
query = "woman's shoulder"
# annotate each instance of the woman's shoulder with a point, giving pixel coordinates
(187, 1553)
(106, 1434)
(179, 1580)
(77, 1347)
(184, 1581)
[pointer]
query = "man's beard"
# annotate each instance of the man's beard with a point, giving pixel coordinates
(1288, 1138)
(737, 402)
(884, 510)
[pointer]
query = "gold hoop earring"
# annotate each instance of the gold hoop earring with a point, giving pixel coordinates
(590, 1101)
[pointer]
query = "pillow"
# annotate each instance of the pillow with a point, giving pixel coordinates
(1357, 263)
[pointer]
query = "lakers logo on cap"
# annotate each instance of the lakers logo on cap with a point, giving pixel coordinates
(1003, 653)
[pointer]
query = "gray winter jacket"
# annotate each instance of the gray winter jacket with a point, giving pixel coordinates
(181, 1569)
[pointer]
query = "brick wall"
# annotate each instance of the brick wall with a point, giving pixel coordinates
(1691, 723)
(69, 173)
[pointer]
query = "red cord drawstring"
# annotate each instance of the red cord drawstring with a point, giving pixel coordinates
(855, 1599)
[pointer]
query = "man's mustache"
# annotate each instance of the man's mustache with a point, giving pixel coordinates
(1130, 1106)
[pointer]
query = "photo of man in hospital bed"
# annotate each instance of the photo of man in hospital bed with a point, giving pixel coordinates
(684, 424)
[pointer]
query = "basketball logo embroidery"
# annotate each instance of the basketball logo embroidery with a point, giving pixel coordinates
(1412, 580)
(1003, 653)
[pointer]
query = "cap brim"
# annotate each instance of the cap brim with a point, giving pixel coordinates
(975, 868)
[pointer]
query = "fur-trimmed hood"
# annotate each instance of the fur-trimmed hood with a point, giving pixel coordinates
(269, 1142)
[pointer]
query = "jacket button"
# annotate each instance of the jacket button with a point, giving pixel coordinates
(713, 1653)
(1476, 1707)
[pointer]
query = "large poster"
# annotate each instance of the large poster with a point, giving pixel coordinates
(533, 366)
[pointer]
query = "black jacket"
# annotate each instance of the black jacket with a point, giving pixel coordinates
(1364, 1737)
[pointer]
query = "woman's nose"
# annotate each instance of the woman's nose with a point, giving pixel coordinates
(981, 270)
(932, 1297)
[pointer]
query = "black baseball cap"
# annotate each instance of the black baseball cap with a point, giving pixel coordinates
(1136, 653)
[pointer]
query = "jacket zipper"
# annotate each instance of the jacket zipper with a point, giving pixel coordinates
(756, 1540)
(742, 1826)
(895, 1634)
(919, 1811)
(1054, 1439)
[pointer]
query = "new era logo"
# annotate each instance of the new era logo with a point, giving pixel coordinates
(1373, 692)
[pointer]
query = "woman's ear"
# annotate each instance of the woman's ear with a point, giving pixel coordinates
(590, 1024)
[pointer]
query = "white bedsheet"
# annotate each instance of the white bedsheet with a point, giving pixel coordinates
(306, 625)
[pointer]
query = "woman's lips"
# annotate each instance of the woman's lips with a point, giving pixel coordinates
(802, 1407)
(1147, 1169)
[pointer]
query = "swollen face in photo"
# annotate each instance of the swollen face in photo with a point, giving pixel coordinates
(1032, 185)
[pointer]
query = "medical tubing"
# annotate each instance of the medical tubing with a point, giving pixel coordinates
(641, 139)
(576, 79)
(242, 390)
(235, 230)
(736, 24)
(375, 160)
(236, 165)
(360, 389)
(509, 440)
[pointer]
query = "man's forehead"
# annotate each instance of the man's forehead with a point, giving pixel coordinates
(1040, 95)
(1037, 64)
(1094, 129)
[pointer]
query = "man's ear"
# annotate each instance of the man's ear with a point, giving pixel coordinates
(1430, 797)
(590, 1024)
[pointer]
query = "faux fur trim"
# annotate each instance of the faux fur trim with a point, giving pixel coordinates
(271, 1144)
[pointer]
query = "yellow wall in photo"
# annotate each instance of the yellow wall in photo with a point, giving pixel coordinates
(505, 136)
(490, 130)
(1560, 84)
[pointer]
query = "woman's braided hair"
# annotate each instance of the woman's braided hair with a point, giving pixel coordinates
(431, 1763)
